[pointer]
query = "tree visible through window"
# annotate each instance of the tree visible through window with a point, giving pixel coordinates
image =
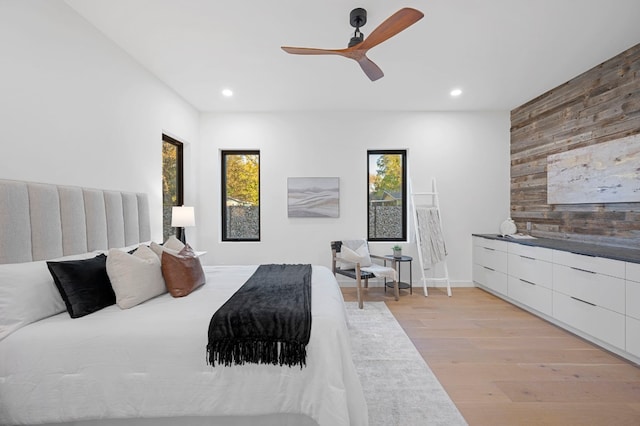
(387, 210)
(240, 195)
(172, 181)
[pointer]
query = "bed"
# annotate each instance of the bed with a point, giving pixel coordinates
(147, 364)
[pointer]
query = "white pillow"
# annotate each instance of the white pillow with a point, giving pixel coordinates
(135, 277)
(132, 247)
(158, 249)
(173, 243)
(28, 293)
(350, 257)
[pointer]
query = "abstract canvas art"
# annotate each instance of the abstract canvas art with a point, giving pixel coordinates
(607, 172)
(313, 196)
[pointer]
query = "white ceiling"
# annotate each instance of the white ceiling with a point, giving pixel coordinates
(502, 53)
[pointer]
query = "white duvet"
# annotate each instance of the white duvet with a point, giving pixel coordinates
(150, 362)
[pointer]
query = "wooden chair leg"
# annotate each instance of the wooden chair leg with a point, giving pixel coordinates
(359, 284)
(396, 285)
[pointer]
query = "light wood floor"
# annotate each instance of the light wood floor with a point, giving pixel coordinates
(503, 366)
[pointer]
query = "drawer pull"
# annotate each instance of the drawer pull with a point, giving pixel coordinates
(583, 270)
(489, 248)
(527, 282)
(583, 254)
(527, 257)
(491, 269)
(583, 301)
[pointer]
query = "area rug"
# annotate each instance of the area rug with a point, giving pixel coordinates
(399, 386)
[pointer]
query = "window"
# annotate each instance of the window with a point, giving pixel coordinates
(387, 188)
(172, 181)
(240, 195)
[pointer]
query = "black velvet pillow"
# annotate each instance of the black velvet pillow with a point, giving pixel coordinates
(83, 284)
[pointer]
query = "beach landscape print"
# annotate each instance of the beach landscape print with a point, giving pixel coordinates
(313, 196)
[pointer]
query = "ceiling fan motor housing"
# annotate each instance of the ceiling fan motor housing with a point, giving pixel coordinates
(357, 18)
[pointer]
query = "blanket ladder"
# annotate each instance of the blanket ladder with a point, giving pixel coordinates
(429, 236)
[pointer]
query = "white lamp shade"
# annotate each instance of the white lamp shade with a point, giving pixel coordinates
(182, 217)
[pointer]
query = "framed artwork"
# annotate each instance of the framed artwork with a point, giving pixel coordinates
(313, 196)
(603, 173)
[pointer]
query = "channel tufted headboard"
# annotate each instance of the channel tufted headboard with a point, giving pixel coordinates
(43, 221)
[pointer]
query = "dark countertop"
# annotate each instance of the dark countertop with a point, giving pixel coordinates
(610, 252)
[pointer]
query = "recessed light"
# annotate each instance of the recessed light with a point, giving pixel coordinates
(227, 93)
(456, 92)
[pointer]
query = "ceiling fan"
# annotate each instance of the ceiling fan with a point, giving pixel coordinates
(358, 46)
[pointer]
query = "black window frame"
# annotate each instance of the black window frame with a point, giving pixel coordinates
(223, 192)
(403, 153)
(179, 174)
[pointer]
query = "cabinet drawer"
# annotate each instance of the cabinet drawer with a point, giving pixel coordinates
(633, 336)
(601, 265)
(633, 272)
(530, 269)
(598, 322)
(633, 299)
(602, 290)
(491, 258)
(530, 294)
(540, 253)
(489, 243)
(496, 281)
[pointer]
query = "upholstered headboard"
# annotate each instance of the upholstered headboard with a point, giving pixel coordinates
(43, 221)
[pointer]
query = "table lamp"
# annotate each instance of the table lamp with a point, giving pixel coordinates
(181, 217)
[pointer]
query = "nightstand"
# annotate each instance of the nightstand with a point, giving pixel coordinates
(400, 260)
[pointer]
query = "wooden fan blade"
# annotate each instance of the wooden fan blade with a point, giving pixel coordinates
(313, 51)
(370, 68)
(394, 24)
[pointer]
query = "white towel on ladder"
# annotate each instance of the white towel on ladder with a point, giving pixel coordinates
(431, 238)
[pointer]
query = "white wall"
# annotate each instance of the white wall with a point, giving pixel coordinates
(77, 110)
(468, 153)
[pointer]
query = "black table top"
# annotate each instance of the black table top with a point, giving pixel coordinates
(401, 258)
(611, 252)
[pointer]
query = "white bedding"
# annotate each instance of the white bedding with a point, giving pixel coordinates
(150, 362)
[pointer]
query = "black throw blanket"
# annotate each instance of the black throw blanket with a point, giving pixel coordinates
(267, 321)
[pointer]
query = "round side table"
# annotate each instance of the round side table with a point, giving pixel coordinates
(401, 284)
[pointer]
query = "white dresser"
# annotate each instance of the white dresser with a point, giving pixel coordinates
(490, 264)
(633, 308)
(594, 296)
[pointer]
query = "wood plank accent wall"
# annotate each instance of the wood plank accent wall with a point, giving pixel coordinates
(597, 106)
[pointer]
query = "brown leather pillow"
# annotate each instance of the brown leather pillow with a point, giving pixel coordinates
(183, 272)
